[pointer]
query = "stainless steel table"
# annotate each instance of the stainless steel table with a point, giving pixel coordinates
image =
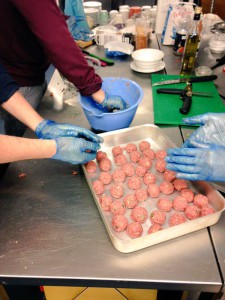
(51, 231)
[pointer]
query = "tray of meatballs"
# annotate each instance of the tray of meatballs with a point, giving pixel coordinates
(141, 202)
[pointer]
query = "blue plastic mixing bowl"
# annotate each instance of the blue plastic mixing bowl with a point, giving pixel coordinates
(100, 119)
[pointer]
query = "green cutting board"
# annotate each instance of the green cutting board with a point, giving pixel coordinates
(166, 107)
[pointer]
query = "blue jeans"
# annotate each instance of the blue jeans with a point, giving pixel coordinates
(33, 94)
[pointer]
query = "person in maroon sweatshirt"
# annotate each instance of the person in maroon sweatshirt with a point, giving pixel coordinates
(34, 34)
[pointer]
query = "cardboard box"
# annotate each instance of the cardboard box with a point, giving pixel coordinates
(62, 292)
(91, 293)
(100, 294)
(3, 294)
(139, 294)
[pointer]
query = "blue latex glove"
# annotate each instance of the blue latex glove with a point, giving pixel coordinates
(212, 130)
(48, 129)
(78, 28)
(197, 164)
(114, 102)
(73, 150)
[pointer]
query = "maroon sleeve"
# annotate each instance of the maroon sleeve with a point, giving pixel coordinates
(48, 24)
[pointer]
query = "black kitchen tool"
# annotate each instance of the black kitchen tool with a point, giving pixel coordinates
(185, 96)
(187, 79)
(221, 61)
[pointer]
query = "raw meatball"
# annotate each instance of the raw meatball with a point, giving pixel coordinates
(160, 154)
(105, 164)
(98, 187)
(158, 217)
(154, 228)
(153, 190)
(100, 155)
(90, 166)
(120, 160)
(166, 188)
(201, 200)
(105, 177)
(128, 169)
(119, 175)
(140, 171)
(149, 153)
(169, 176)
(119, 223)
(180, 184)
(134, 230)
(116, 191)
(143, 145)
(180, 203)
(117, 150)
(117, 208)
(192, 212)
(141, 195)
(134, 183)
(149, 178)
(176, 219)
(145, 162)
(206, 210)
(105, 202)
(130, 201)
(164, 204)
(160, 165)
(131, 147)
(135, 156)
(139, 214)
(187, 194)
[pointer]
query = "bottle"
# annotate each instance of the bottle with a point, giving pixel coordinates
(141, 35)
(181, 36)
(192, 45)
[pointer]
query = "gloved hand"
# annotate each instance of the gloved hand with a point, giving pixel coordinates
(73, 150)
(197, 164)
(48, 129)
(212, 130)
(114, 102)
(79, 29)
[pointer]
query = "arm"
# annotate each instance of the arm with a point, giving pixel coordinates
(48, 24)
(26, 115)
(15, 148)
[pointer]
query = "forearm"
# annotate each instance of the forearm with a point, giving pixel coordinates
(18, 106)
(99, 96)
(15, 148)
